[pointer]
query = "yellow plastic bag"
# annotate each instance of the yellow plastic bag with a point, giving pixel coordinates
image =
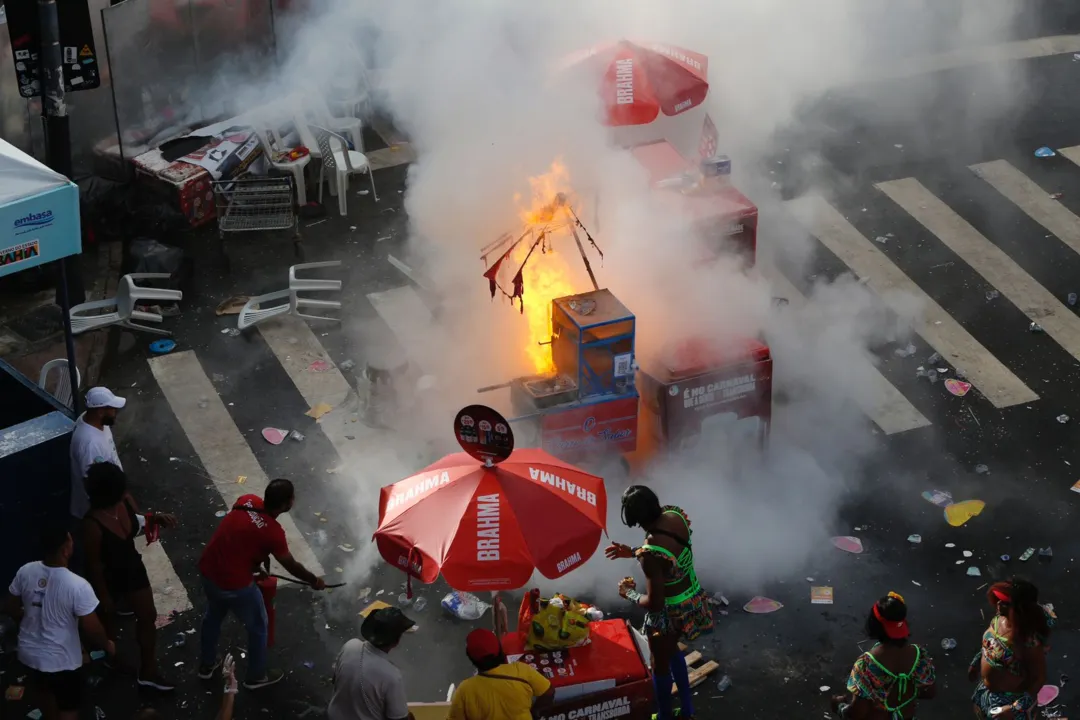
(558, 623)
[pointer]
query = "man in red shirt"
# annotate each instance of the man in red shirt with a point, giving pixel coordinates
(240, 547)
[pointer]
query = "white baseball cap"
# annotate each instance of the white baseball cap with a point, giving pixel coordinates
(100, 397)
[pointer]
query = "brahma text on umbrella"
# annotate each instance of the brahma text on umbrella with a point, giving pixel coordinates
(563, 484)
(487, 528)
(624, 82)
(421, 487)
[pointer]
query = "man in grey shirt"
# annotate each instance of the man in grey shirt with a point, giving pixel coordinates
(367, 686)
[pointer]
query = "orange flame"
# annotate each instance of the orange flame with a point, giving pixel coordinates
(546, 276)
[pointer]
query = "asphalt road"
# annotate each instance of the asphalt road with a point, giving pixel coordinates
(776, 662)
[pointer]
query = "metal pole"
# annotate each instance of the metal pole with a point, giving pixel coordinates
(58, 157)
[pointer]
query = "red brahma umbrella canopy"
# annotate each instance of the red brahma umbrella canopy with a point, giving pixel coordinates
(487, 527)
(639, 80)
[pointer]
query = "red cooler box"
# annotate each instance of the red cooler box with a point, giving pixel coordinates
(702, 382)
(607, 678)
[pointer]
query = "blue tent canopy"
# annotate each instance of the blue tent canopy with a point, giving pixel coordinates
(39, 213)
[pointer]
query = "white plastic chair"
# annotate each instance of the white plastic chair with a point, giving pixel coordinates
(338, 165)
(315, 108)
(128, 295)
(254, 313)
(272, 144)
(62, 384)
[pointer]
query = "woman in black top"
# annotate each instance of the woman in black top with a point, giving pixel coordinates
(115, 565)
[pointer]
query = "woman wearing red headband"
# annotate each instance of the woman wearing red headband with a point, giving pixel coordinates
(1011, 667)
(887, 682)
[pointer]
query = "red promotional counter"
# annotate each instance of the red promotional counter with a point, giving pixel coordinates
(608, 678)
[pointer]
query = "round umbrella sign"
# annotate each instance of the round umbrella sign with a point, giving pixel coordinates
(484, 434)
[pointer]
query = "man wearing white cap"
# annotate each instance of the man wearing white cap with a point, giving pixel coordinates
(92, 442)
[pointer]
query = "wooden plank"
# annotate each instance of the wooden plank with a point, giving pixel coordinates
(698, 675)
(693, 658)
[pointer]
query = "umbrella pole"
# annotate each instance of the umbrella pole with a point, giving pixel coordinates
(69, 338)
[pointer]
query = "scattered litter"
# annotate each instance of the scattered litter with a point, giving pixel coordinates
(961, 562)
(1005, 558)
(1063, 418)
(1046, 552)
(352, 228)
(338, 570)
(1076, 487)
(824, 688)
(1044, 152)
(319, 410)
(1035, 327)
(365, 593)
(320, 366)
(724, 685)
(968, 553)
(97, 654)
(1071, 298)
(1062, 679)
(346, 547)
(1056, 196)
(274, 436)
(950, 545)
(848, 543)
(759, 605)
(232, 306)
(982, 469)
(362, 192)
(320, 537)
(380, 593)
(1027, 554)
(974, 571)
(419, 604)
(940, 498)
(1048, 694)
(15, 692)
(34, 714)
(296, 435)
(241, 479)
(347, 365)
(220, 514)
(178, 663)
(959, 513)
(881, 239)
(317, 222)
(992, 294)
(914, 539)
(718, 599)
(384, 237)
(906, 351)
(821, 596)
(231, 332)
(959, 388)
(916, 584)
(160, 347)
(464, 606)
(948, 644)
(309, 665)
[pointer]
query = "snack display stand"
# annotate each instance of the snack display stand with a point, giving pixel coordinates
(607, 678)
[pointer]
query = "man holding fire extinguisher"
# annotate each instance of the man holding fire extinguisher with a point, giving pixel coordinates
(234, 579)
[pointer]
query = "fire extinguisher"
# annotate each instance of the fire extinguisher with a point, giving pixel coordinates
(268, 588)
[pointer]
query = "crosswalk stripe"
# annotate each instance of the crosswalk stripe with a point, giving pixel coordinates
(406, 314)
(883, 403)
(221, 448)
(988, 260)
(169, 593)
(1032, 199)
(999, 385)
(1071, 153)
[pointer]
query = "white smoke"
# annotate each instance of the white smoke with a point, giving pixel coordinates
(474, 85)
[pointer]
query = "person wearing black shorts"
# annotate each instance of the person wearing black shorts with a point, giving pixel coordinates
(52, 604)
(115, 566)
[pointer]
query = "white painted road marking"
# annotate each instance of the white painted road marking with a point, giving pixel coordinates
(884, 404)
(996, 382)
(1032, 199)
(1071, 153)
(221, 448)
(407, 315)
(169, 592)
(988, 260)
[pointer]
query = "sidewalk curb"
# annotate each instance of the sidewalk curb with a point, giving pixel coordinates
(110, 260)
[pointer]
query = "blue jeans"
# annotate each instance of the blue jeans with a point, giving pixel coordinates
(247, 605)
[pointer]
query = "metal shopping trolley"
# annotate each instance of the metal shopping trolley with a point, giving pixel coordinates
(256, 204)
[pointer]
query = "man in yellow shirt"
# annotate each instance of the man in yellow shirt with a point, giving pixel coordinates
(500, 690)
